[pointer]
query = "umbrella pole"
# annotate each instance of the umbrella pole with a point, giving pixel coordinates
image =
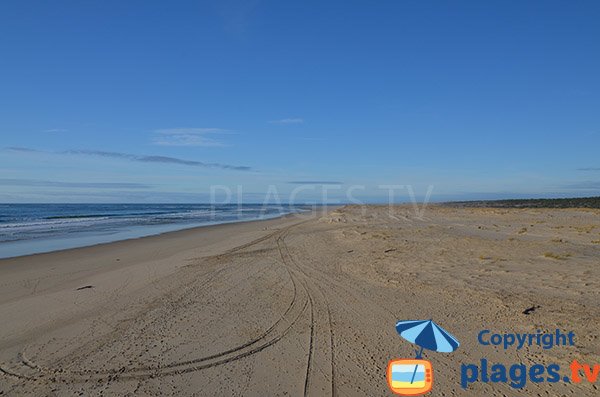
(419, 354)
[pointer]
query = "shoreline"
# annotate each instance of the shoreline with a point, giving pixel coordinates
(144, 259)
(67, 242)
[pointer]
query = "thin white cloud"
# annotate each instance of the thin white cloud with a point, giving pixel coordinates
(135, 157)
(56, 130)
(585, 185)
(86, 185)
(287, 121)
(187, 137)
(316, 183)
(21, 149)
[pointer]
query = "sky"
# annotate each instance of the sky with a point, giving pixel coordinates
(168, 101)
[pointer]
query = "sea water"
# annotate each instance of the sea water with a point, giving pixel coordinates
(35, 228)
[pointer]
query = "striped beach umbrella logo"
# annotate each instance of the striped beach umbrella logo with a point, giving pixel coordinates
(427, 335)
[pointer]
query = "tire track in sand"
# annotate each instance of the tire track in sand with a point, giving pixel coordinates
(327, 335)
(299, 303)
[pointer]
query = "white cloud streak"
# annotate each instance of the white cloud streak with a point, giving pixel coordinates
(136, 157)
(58, 184)
(188, 137)
(56, 130)
(287, 121)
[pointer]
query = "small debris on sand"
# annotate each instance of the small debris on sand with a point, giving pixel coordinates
(530, 310)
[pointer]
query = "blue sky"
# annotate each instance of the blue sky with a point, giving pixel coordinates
(155, 101)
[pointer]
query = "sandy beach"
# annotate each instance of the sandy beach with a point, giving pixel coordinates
(302, 305)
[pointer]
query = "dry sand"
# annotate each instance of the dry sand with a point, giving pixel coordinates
(300, 306)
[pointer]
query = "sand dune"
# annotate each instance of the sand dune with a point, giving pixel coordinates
(302, 305)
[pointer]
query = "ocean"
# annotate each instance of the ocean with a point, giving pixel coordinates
(35, 228)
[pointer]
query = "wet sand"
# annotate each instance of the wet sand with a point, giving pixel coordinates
(301, 305)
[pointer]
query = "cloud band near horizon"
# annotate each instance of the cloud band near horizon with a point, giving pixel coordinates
(138, 158)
